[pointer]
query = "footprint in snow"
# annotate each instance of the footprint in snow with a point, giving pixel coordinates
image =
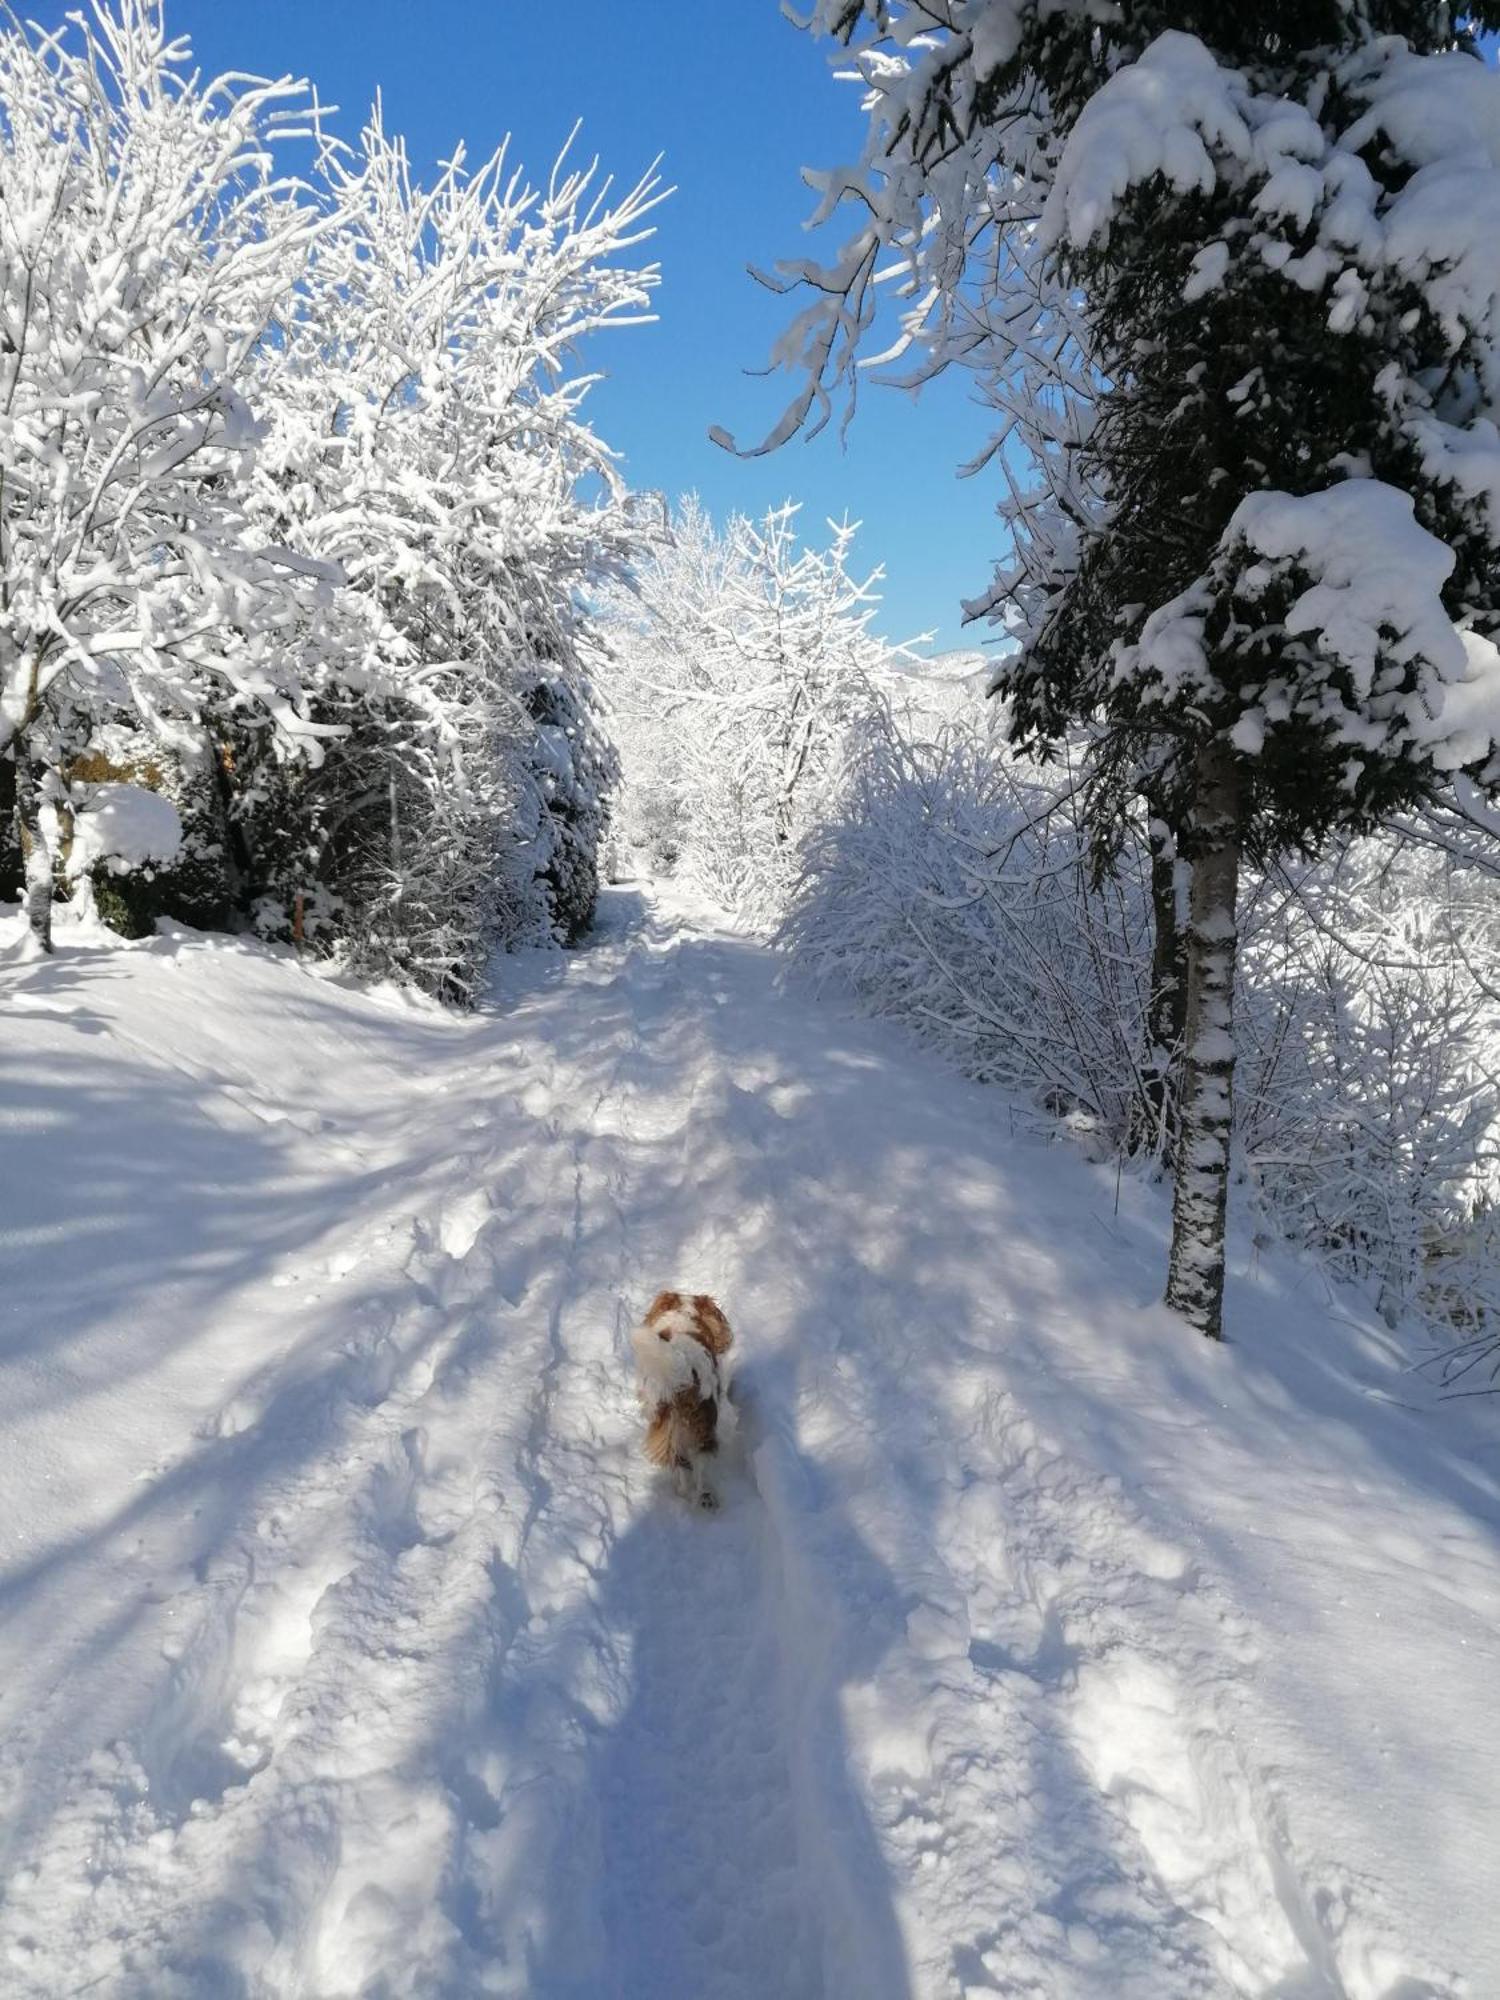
(461, 1222)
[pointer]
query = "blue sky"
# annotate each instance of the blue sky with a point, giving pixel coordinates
(737, 100)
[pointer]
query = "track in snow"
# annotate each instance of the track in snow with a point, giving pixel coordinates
(370, 1658)
(645, 1751)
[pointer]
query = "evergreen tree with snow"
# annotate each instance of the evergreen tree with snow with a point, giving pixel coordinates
(1263, 578)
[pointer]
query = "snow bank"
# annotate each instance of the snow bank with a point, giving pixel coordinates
(125, 827)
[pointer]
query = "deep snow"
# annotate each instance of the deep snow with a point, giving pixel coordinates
(348, 1646)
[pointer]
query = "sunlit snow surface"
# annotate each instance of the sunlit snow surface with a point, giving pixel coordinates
(348, 1645)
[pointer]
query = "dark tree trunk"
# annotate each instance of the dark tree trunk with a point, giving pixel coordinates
(1195, 1279)
(239, 863)
(12, 870)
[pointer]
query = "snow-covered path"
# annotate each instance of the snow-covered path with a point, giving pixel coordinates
(348, 1647)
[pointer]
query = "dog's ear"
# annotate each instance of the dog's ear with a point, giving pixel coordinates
(664, 1302)
(713, 1328)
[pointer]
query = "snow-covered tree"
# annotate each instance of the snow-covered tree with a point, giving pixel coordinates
(427, 438)
(741, 659)
(298, 505)
(146, 243)
(1273, 599)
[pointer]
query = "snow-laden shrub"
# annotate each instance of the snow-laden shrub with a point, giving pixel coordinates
(416, 865)
(953, 891)
(574, 768)
(142, 833)
(1370, 1115)
(119, 832)
(123, 826)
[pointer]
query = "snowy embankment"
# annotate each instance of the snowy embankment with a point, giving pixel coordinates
(347, 1646)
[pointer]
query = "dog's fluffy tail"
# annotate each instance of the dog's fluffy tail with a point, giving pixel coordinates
(683, 1430)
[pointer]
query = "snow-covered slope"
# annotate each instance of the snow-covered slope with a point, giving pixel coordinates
(347, 1645)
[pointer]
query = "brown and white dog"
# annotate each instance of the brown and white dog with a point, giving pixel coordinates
(682, 1381)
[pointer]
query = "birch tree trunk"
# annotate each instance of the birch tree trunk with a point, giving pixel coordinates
(36, 849)
(1166, 1015)
(1195, 1277)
